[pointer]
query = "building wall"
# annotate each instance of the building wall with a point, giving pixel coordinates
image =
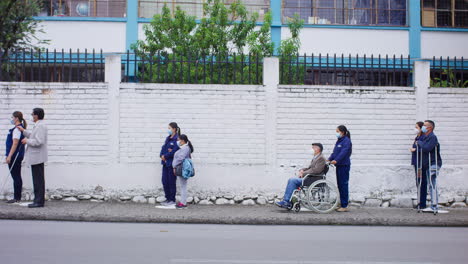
(108, 36)
(354, 41)
(233, 133)
(446, 44)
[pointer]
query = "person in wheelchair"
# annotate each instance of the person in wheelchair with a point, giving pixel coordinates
(317, 166)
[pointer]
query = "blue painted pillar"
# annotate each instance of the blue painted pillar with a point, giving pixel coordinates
(131, 35)
(415, 28)
(275, 7)
(132, 23)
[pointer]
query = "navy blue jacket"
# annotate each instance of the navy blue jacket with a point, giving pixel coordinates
(9, 144)
(342, 151)
(428, 147)
(413, 154)
(168, 150)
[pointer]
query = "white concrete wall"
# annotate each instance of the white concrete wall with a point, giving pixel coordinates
(449, 109)
(234, 130)
(361, 41)
(437, 43)
(108, 36)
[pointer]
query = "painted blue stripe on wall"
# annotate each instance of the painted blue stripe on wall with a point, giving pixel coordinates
(88, 19)
(415, 29)
(132, 23)
(355, 27)
(275, 8)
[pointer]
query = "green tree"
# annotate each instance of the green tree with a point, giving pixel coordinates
(289, 53)
(177, 47)
(18, 27)
(260, 41)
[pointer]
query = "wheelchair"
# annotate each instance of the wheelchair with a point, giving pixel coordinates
(316, 193)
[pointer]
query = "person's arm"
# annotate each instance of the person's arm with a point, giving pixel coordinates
(428, 143)
(317, 167)
(345, 149)
(170, 154)
(39, 138)
(25, 132)
(179, 156)
(12, 150)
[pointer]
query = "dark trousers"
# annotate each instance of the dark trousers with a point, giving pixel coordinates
(15, 169)
(169, 183)
(428, 177)
(38, 183)
(342, 178)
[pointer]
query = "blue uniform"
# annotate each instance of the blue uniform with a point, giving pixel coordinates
(15, 164)
(413, 156)
(168, 178)
(342, 155)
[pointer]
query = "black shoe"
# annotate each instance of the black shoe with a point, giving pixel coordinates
(12, 201)
(35, 205)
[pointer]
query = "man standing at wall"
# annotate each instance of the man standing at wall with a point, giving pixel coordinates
(431, 164)
(36, 155)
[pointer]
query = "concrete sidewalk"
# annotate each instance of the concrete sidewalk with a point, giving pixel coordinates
(226, 214)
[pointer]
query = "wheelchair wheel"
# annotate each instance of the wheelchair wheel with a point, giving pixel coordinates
(323, 196)
(297, 207)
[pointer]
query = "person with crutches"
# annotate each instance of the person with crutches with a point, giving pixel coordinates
(431, 164)
(15, 153)
(416, 156)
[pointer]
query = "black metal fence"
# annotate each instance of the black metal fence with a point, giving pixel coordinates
(449, 72)
(192, 68)
(51, 66)
(346, 70)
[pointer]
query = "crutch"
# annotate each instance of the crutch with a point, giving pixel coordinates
(418, 176)
(434, 191)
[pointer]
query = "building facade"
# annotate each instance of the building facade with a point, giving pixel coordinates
(421, 29)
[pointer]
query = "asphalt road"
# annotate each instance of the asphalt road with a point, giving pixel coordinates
(80, 242)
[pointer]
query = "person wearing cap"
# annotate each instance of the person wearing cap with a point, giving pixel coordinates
(317, 166)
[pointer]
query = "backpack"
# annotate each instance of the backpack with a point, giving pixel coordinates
(188, 170)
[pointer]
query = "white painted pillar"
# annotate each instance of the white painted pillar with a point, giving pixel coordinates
(271, 81)
(421, 81)
(112, 78)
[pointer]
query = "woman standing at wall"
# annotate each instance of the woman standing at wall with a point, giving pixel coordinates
(341, 158)
(416, 161)
(15, 154)
(185, 151)
(167, 155)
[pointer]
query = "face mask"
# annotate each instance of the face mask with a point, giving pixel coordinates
(416, 131)
(12, 121)
(178, 143)
(424, 129)
(169, 131)
(338, 135)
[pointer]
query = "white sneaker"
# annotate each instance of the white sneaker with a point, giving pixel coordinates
(171, 205)
(428, 210)
(440, 211)
(24, 204)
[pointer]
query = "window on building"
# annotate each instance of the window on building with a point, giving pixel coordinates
(149, 8)
(348, 12)
(84, 8)
(445, 13)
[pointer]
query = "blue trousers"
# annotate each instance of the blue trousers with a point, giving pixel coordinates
(293, 184)
(342, 178)
(429, 180)
(169, 183)
(16, 175)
